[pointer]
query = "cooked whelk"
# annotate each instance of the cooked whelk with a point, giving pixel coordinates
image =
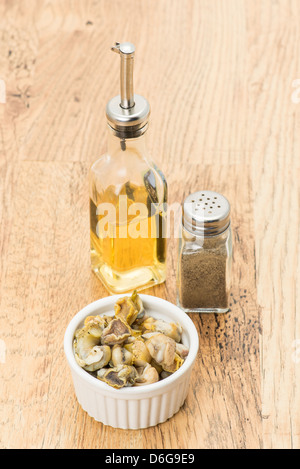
(178, 361)
(139, 306)
(147, 335)
(121, 356)
(89, 353)
(102, 321)
(140, 352)
(172, 330)
(130, 309)
(147, 375)
(119, 376)
(102, 354)
(182, 350)
(126, 310)
(162, 349)
(115, 333)
(158, 367)
(130, 339)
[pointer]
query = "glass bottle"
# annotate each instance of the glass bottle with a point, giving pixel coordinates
(205, 254)
(128, 195)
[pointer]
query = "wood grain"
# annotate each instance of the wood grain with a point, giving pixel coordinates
(219, 76)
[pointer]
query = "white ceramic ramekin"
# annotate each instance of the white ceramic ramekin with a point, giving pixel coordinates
(133, 407)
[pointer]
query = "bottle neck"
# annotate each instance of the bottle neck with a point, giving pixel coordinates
(119, 146)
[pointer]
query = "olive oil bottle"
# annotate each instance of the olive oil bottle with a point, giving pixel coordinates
(128, 195)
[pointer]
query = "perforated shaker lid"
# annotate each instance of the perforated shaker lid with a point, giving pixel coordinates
(206, 213)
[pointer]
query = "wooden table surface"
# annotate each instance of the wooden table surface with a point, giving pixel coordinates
(221, 77)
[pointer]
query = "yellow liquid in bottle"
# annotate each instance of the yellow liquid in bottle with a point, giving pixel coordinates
(128, 251)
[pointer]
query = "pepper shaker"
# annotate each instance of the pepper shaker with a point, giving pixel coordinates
(204, 254)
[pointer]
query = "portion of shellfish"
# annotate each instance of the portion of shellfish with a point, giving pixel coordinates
(140, 352)
(172, 330)
(121, 356)
(146, 375)
(129, 348)
(119, 376)
(130, 309)
(162, 349)
(115, 333)
(89, 353)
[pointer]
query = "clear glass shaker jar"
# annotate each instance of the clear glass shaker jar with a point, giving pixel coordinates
(204, 254)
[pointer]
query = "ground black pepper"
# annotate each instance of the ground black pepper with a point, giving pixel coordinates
(203, 275)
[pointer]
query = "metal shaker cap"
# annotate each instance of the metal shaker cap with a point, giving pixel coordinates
(128, 113)
(206, 213)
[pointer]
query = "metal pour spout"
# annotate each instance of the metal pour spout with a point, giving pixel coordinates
(127, 113)
(126, 51)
